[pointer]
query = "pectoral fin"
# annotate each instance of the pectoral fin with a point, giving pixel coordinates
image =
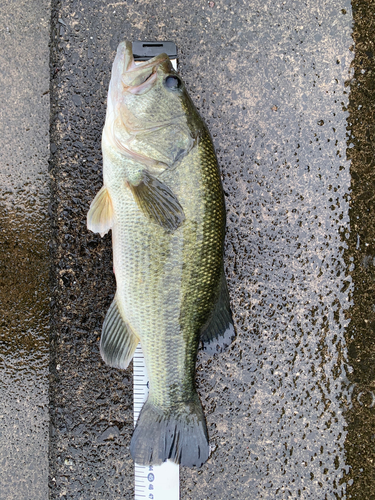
(100, 215)
(158, 202)
(118, 342)
(219, 333)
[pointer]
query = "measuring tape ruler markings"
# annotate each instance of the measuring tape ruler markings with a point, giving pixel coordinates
(152, 482)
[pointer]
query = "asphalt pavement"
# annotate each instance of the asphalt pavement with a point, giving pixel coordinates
(286, 89)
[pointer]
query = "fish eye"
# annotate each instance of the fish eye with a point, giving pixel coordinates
(172, 82)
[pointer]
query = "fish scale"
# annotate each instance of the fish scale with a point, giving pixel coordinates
(153, 305)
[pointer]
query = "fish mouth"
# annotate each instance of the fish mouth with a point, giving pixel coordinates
(138, 78)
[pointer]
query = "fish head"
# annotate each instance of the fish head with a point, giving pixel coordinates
(149, 110)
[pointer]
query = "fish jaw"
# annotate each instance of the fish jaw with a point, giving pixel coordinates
(123, 60)
(131, 78)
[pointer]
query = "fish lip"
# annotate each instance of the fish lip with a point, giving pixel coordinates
(155, 61)
(128, 69)
(125, 53)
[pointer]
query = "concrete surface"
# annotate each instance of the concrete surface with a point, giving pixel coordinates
(24, 258)
(286, 89)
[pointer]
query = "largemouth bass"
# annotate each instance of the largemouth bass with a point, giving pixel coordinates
(162, 197)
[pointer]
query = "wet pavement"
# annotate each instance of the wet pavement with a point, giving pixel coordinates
(360, 258)
(287, 91)
(24, 257)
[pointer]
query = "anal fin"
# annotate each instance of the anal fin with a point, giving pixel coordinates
(118, 342)
(219, 332)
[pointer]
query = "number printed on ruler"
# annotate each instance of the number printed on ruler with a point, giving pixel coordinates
(144, 479)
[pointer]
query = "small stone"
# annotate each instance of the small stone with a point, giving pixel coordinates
(111, 433)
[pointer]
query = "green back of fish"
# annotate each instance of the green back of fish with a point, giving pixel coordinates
(183, 289)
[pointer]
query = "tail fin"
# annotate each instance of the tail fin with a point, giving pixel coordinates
(179, 434)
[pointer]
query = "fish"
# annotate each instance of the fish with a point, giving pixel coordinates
(162, 197)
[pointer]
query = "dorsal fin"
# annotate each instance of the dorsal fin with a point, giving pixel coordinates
(219, 332)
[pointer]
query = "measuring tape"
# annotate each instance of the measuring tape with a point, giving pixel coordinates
(152, 482)
(155, 482)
